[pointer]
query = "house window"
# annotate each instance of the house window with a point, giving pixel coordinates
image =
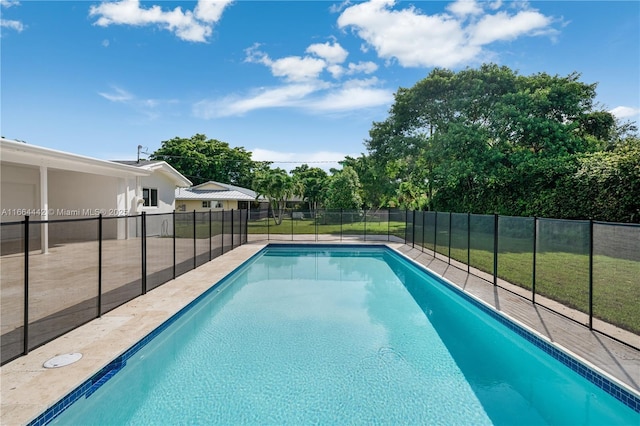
(206, 204)
(150, 196)
(218, 205)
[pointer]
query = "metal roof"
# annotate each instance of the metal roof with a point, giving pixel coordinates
(212, 195)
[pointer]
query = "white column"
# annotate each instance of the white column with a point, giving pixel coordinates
(44, 205)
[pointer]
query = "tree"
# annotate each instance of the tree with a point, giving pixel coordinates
(201, 160)
(343, 191)
(314, 181)
(483, 139)
(278, 187)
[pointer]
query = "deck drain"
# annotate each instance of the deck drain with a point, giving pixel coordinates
(62, 360)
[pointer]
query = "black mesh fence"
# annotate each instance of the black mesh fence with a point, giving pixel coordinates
(203, 237)
(237, 226)
(216, 234)
(12, 300)
(418, 230)
(63, 282)
(515, 250)
(121, 278)
(442, 233)
(398, 225)
(481, 243)
(460, 237)
(159, 253)
(429, 230)
(57, 275)
(616, 275)
(185, 242)
(227, 228)
(562, 263)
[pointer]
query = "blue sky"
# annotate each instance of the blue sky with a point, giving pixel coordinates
(286, 80)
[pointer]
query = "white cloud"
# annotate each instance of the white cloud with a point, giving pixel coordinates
(333, 53)
(296, 68)
(415, 39)
(625, 112)
(464, 8)
(353, 95)
(363, 67)
(194, 26)
(118, 95)
(9, 3)
(11, 23)
(274, 97)
(502, 26)
(105, 43)
(149, 108)
(303, 85)
(292, 68)
(290, 160)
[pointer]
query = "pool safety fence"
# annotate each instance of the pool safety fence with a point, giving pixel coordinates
(588, 271)
(57, 275)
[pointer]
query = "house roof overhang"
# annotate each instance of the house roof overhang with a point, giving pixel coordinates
(24, 154)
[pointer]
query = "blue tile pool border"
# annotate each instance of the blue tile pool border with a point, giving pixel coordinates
(92, 384)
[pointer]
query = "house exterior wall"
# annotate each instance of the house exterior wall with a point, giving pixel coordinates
(191, 205)
(166, 193)
(19, 190)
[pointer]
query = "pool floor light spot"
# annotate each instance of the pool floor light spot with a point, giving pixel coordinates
(62, 360)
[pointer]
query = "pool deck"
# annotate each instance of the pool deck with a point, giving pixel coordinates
(28, 389)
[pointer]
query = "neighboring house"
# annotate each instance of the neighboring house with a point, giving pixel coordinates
(214, 196)
(46, 184)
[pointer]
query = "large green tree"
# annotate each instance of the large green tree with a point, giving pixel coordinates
(485, 139)
(278, 187)
(201, 160)
(343, 191)
(314, 182)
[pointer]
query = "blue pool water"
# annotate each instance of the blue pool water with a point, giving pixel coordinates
(312, 335)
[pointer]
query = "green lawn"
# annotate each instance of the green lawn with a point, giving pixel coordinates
(560, 276)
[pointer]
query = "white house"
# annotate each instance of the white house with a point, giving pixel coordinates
(215, 196)
(47, 184)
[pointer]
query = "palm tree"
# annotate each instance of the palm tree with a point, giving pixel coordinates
(278, 187)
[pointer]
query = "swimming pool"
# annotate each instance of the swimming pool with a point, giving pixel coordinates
(315, 334)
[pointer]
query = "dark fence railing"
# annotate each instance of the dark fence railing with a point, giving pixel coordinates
(93, 265)
(591, 267)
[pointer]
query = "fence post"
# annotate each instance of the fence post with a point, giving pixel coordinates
(413, 229)
(340, 224)
(495, 249)
(100, 265)
(388, 224)
(195, 251)
(450, 216)
(143, 257)
(435, 233)
(222, 234)
(535, 249)
(468, 242)
(315, 221)
(268, 224)
(174, 244)
(232, 230)
(291, 216)
(424, 215)
(25, 348)
(365, 225)
(406, 213)
(210, 236)
(590, 274)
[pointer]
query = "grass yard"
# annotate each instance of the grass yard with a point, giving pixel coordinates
(561, 276)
